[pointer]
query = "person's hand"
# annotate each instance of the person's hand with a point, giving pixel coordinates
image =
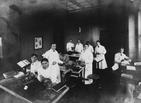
(129, 60)
(53, 63)
(41, 77)
(97, 53)
(32, 74)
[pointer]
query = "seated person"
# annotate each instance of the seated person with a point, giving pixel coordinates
(120, 59)
(35, 64)
(31, 74)
(45, 74)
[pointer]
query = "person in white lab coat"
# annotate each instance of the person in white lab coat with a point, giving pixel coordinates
(45, 74)
(35, 64)
(79, 47)
(53, 56)
(120, 59)
(90, 48)
(70, 46)
(34, 68)
(87, 57)
(100, 52)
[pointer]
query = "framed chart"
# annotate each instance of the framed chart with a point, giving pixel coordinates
(38, 42)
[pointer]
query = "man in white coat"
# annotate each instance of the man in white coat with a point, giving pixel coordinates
(87, 57)
(53, 56)
(79, 47)
(100, 52)
(70, 46)
(120, 59)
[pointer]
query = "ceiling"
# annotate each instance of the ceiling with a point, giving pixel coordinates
(28, 6)
(78, 5)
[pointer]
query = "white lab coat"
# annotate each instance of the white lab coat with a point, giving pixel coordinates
(87, 57)
(120, 59)
(46, 73)
(53, 56)
(79, 47)
(69, 46)
(35, 66)
(100, 57)
(90, 48)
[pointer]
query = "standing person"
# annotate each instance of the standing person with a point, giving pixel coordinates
(100, 52)
(70, 46)
(53, 56)
(101, 63)
(87, 57)
(79, 47)
(90, 48)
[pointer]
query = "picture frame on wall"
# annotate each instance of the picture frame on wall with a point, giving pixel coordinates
(38, 43)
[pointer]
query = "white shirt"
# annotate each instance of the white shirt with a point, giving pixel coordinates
(79, 47)
(90, 48)
(35, 66)
(52, 56)
(70, 46)
(119, 57)
(86, 56)
(46, 73)
(100, 50)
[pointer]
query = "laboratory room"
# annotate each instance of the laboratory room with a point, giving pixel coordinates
(70, 51)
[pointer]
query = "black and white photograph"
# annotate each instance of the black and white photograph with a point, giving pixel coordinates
(38, 42)
(70, 51)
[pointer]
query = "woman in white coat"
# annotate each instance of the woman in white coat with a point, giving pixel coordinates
(87, 57)
(100, 52)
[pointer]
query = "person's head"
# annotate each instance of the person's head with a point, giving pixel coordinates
(78, 41)
(45, 63)
(53, 46)
(121, 50)
(87, 42)
(34, 57)
(86, 46)
(70, 41)
(98, 42)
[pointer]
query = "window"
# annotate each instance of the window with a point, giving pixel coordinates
(1, 47)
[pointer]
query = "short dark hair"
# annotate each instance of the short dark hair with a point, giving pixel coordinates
(121, 48)
(98, 41)
(86, 43)
(53, 42)
(44, 59)
(34, 55)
